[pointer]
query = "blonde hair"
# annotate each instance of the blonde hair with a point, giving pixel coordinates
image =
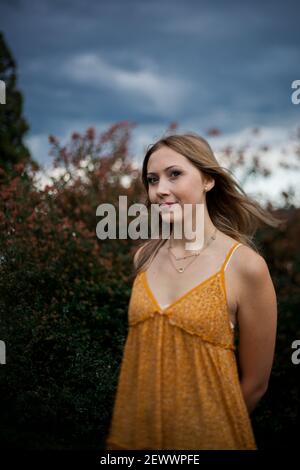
(231, 210)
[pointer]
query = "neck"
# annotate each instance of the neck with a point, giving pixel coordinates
(179, 244)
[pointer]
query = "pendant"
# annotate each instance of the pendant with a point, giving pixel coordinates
(181, 270)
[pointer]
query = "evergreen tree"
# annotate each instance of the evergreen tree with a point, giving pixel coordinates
(13, 126)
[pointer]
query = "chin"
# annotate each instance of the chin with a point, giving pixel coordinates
(171, 219)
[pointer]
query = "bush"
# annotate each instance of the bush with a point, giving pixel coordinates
(64, 298)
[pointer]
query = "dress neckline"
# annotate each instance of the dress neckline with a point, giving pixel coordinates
(186, 294)
(190, 291)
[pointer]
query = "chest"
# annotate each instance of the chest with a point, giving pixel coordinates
(167, 287)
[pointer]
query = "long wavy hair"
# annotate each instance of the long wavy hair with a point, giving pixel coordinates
(231, 210)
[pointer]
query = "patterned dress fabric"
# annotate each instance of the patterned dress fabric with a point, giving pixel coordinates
(178, 385)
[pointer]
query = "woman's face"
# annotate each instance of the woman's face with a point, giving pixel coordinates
(182, 183)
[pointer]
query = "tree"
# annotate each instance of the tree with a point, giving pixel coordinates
(13, 126)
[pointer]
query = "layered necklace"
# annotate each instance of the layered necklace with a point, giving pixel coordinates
(181, 268)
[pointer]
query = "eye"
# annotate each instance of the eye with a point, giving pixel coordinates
(175, 171)
(150, 179)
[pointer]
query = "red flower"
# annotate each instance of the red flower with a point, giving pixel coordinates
(52, 139)
(90, 133)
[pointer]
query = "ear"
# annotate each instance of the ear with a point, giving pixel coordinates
(209, 182)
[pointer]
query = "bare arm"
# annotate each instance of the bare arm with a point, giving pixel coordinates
(257, 317)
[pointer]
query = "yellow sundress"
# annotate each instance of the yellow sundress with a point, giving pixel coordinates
(178, 385)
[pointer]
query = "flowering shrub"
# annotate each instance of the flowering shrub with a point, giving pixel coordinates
(64, 297)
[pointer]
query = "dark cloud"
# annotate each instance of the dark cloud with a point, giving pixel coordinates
(228, 63)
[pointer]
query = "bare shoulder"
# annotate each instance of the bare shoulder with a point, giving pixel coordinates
(254, 285)
(246, 262)
(250, 265)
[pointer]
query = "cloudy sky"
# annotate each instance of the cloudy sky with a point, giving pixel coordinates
(225, 64)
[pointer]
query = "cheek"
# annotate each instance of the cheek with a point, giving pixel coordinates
(151, 193)
(189, 190)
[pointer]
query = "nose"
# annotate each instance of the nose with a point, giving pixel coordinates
(162, 187)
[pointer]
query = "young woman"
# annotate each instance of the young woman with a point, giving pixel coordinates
(181, 384)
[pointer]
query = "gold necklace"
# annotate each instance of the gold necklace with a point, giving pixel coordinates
(182, 269)
(193, 254)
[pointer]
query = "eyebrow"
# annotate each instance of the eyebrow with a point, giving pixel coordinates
(168, 167)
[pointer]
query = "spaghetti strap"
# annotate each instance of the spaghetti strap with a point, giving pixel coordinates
(228, 256)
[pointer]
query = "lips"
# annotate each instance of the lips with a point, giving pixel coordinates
(167, 203)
